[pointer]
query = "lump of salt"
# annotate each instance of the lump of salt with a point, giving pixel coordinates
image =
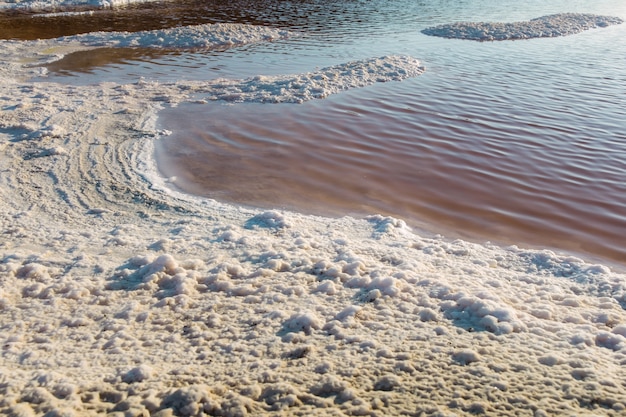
(302, 322)
(138, 374)
(465, 356)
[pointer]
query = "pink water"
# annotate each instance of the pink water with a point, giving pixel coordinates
(518, 143)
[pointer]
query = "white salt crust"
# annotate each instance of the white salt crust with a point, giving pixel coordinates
(187, 37)
(120, 296)
(562, 24)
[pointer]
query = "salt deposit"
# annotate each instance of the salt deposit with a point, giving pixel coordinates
(118, 295)
(562, 24)
(199, 36)
(314, 85)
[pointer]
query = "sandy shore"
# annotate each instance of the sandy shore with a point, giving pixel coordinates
(120, 296)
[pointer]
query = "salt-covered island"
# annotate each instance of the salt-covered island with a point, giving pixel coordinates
(561, 24)
(120, 296)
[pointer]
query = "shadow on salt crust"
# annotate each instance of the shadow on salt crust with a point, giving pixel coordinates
(542, 27)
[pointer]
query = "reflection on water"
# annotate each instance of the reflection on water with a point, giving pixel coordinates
(132, 18)
(310, 15)
(87, 61)
(516, 142)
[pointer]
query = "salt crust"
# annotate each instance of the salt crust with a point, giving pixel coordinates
(187, 37)
(313, 85)
(119, 296)
(562, 24)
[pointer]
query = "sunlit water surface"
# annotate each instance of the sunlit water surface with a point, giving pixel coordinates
(519, 142)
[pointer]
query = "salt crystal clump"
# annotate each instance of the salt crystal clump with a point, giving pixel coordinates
(164, 275)
(482, 314)
(179, 284)
(329, 385)
(326, 287)
(280, 396)
(37, 395)
(303, 322)
(550, 360)
(138, 374)
(620, 329)
(270, 219)
(348, 313)
(63, 390)
(33, 271)
(191, 401)
(465, 356)
(387, 383)
(372, 295)
(388, 225)
(610, 340)
(165, 264)
(428, 314)
(386, 285)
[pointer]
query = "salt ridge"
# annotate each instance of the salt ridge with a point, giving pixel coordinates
(314, 85)
(562, 24)
(120, 296)
(188, 37)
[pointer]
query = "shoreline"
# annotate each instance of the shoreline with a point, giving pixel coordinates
(119, 296)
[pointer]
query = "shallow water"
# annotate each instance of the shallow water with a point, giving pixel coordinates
(517, 142)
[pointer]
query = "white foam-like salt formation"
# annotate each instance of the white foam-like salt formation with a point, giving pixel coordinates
(120, 297)
(313, 85)
(187, 37)
(562, 24)
(63, 14)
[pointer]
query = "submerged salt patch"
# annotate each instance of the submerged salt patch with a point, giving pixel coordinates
(542, 27)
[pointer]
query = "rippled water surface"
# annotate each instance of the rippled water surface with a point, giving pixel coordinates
(518, 142)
